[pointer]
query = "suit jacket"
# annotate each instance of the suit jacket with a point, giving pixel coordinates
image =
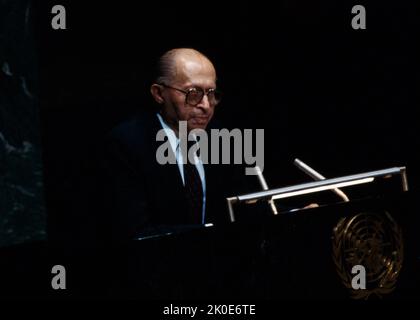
(143, 196)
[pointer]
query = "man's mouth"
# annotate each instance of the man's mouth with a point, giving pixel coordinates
(200, 120)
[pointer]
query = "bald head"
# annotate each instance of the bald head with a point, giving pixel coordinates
(182, 74)
(174, 65)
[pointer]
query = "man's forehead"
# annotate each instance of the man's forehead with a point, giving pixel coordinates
(194, 64)
(189, 55)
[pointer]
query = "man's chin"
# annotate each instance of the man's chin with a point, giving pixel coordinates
(198, 124)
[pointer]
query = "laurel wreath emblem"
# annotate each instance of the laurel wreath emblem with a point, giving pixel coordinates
(374, 241)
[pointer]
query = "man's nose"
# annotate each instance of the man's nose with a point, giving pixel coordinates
(204, 103)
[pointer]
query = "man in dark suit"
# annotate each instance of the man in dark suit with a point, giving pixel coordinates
(145, 196)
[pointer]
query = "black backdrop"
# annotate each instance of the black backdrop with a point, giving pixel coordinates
(342, 100)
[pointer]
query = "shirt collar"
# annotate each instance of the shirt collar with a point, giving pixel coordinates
(170, 133)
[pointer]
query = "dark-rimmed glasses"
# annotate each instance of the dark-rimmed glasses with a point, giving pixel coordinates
(195, 95)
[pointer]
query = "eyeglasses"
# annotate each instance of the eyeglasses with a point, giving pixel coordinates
(195, 95)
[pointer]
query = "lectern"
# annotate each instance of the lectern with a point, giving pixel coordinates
(359, 240)
(361, 248)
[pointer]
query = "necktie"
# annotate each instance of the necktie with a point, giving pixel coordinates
(193, 191)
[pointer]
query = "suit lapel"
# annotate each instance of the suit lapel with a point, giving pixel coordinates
(167, 182)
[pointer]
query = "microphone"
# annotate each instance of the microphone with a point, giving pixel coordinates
(264, 185)
(317, 176)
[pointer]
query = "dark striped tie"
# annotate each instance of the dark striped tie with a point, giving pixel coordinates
(193, 191)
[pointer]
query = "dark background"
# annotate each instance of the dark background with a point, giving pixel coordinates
(22, 211)
(342, 100)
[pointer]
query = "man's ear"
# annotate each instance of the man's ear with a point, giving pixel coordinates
(156, 91)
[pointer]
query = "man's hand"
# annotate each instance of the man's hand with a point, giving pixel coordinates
(312, 205)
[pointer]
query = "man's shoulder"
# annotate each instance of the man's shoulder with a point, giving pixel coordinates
(136, 130)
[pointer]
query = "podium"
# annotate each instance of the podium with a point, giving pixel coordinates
(365, 248)
(296, 254)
